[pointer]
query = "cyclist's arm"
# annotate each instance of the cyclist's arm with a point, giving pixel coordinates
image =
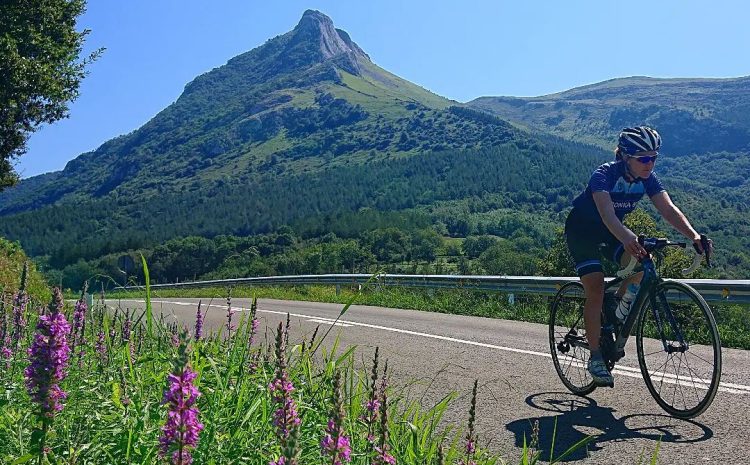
(606, 210)
(673, 215)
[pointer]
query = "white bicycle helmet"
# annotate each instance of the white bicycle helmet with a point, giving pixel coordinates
(639, 139)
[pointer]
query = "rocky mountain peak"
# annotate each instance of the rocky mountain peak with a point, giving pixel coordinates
(317, 29)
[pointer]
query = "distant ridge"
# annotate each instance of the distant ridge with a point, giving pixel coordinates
(694, 115)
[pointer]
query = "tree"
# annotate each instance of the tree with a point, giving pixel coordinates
(352, 256)
(388, 245)
(40, 71)
(558, 261)
(502, 258)
(424, 245)
(473, 246)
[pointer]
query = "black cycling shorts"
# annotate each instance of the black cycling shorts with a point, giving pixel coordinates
(588, 241)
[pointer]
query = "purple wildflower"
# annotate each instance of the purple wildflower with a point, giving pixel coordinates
(199, 324)
(285, 417)
(230, 312)
(101, 347)
(49, 356)
(180, 432)
(126, 328)
(471, 439)
(79, 317)
(20, 300)
(372, 405)
(3, 318)
(6, 354)
(335, 443)
(254, 323)
(340, 448)
(252, 365)
(5, 341)
(383, 457)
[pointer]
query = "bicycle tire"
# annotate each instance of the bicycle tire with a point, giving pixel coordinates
(566, 319)
(696, 370)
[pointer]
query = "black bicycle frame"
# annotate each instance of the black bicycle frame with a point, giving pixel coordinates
(647, 290)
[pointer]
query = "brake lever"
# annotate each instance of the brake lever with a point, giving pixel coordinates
(706, 244)
(696, 263)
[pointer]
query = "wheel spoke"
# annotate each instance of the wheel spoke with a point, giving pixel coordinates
(698, 376)
(566, 329)
(656, 352)
(694, 376)
(700, 358)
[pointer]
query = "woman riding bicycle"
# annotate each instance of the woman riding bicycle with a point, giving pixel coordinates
(612, 192)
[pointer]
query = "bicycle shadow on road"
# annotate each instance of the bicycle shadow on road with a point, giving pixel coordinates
(579, 417)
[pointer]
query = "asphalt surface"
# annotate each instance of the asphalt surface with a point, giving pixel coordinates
(431, 355)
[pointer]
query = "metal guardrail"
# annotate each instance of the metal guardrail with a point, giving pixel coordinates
(714, 290)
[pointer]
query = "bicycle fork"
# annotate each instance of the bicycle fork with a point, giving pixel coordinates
(661, 300)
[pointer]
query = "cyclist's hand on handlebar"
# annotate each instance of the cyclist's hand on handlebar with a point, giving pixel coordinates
(633, 247)
(703, 245)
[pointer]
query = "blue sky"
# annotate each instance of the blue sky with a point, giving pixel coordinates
(461, 50)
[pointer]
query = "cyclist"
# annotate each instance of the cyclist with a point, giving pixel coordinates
(613, 191)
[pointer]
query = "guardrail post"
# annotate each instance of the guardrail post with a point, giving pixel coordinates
(338, 289)
(512, 299)
(89, 301)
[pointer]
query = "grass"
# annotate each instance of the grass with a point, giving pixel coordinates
(114, 413)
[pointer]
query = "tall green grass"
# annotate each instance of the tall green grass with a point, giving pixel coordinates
(114, 412)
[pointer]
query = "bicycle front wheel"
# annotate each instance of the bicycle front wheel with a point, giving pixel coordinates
(567, 339)
(679, 350)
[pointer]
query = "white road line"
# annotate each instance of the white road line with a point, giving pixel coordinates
(326, 322)
(620, 370)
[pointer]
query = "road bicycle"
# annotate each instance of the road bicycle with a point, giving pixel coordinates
(677, 342)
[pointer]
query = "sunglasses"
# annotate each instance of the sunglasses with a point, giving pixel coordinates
(646, 159)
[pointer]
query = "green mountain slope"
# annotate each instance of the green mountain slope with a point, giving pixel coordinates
(302, 125)
(693, 115)
(295, 103)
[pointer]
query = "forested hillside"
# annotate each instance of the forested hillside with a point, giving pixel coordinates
(305, 144)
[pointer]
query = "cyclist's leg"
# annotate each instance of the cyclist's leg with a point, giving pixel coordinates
(593, 285)
(584, 242)
(593, 288)
(616, 252)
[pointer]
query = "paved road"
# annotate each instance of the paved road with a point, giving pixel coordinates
(432, 354)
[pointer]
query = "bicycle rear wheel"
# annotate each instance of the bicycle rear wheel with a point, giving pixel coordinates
(682, 377)
(567, 339)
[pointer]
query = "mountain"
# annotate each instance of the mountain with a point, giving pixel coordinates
(280, 106)
(304, 126)
(694, 116)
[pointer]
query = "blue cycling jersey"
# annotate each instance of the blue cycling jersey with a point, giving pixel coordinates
(610, 177)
